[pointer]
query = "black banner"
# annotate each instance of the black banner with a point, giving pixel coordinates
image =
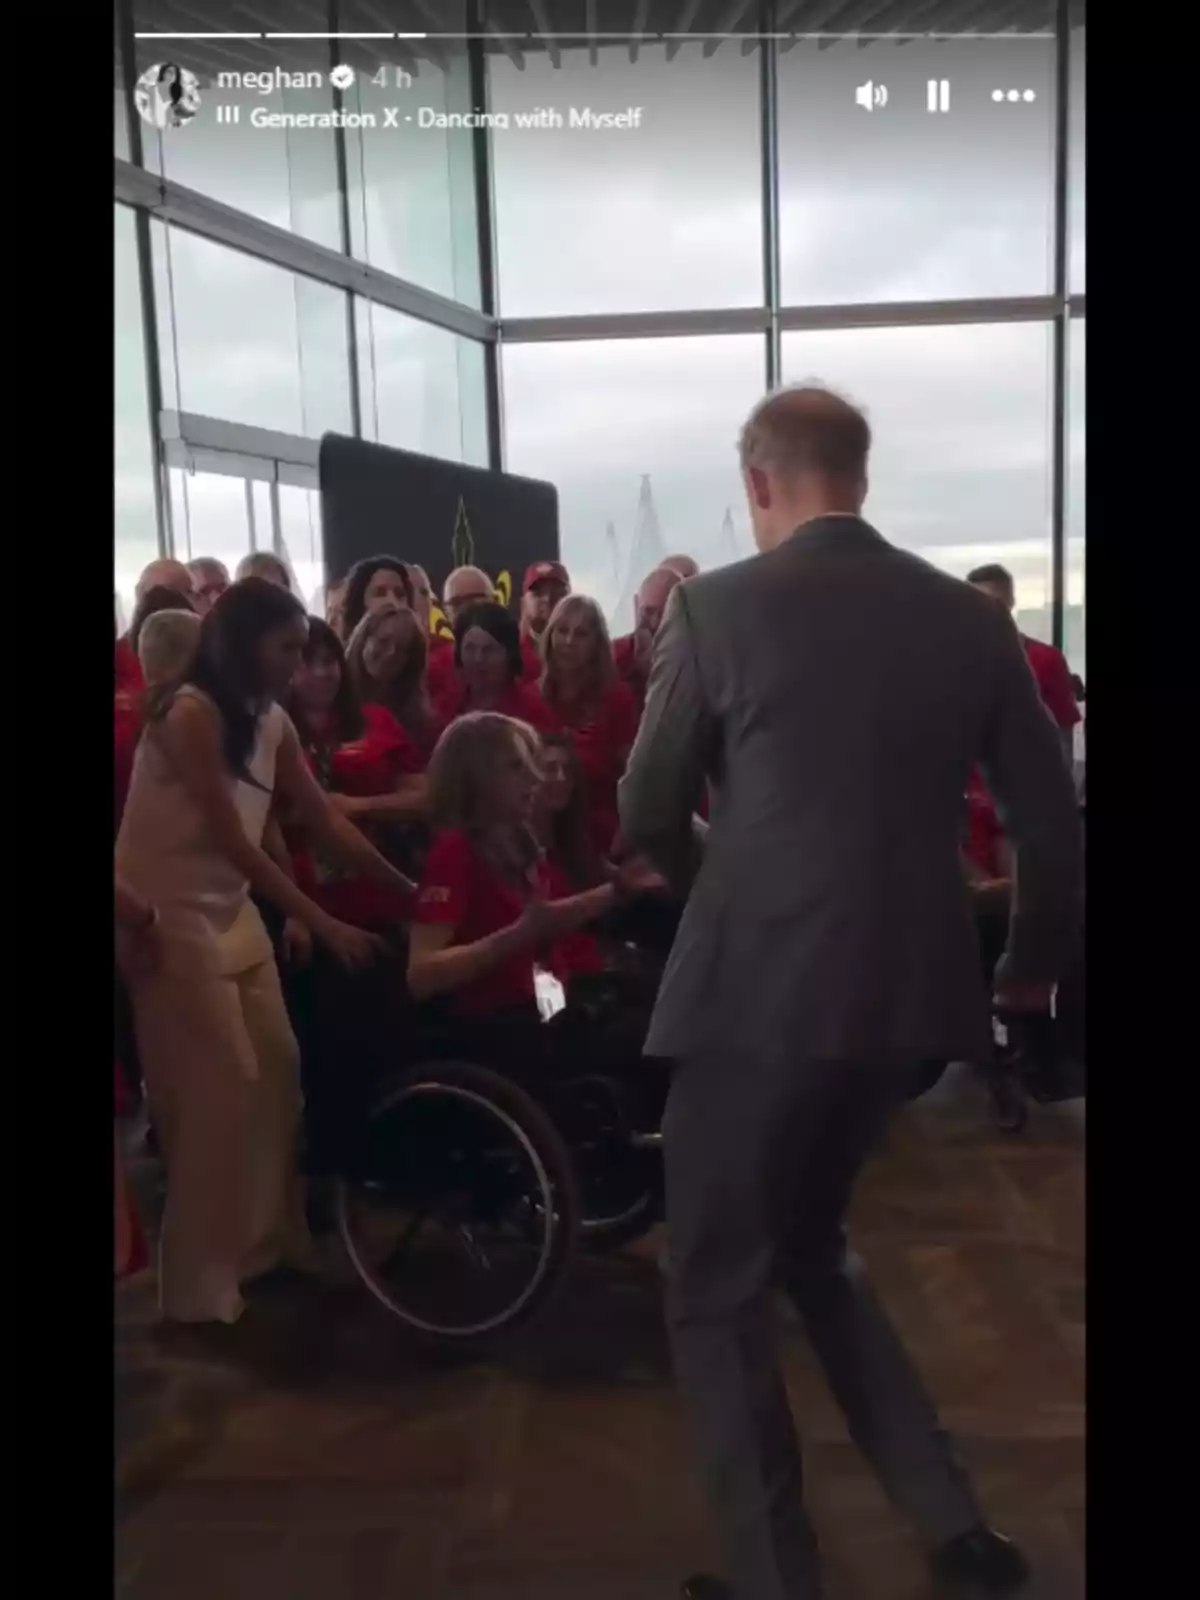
(436, 514)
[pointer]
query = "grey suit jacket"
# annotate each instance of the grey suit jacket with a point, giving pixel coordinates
(836, 694)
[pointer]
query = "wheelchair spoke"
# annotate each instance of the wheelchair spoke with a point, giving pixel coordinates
(474, 1252)
(402, 1246)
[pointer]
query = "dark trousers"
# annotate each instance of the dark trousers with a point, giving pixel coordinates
(761, 1161)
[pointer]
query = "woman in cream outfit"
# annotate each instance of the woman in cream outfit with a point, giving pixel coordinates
(217, 1051)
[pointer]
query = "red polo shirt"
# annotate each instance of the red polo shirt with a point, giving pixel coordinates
(532, 658)
(129, 674)
(440, 675)
(625, 660)
(519, 700)
(603, 737)
(1053, 680)
(373, 764)
(462, 891)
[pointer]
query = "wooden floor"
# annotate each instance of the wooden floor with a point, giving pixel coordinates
(334, 1466)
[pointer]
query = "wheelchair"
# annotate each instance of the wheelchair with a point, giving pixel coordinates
(464, 1171)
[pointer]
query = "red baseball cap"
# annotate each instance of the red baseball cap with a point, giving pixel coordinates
(545, 572)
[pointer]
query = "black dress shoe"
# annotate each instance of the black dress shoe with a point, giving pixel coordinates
(702, 1587)
(982, 1559)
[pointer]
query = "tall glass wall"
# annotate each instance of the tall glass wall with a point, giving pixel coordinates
(880, 213)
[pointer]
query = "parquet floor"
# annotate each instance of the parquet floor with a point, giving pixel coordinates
(333, 1465)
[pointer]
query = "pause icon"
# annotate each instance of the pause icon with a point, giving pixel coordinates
(937, 94)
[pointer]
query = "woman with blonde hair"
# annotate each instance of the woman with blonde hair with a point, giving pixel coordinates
(483, 921)
(386, 656)
(581, 691)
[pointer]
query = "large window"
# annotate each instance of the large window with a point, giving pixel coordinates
(248, 342)
(897, 203)
(960, 464)
(412, 185)
(423, 388)
(1075, 640)
(286, 176)
(135, 514)
(663, 216)
(1077, 169)
(640, 436)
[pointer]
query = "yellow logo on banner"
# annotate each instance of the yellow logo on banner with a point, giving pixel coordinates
(462, 549)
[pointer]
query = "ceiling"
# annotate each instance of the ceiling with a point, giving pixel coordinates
(518, 28)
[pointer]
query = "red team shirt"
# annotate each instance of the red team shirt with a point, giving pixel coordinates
(519, 701)
(440, 676)
(460, 890)
(370, 765)
(602, 743)
(1053, 675)
(129, 676)
(532, 658)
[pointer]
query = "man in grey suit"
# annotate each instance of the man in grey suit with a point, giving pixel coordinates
(835, 692)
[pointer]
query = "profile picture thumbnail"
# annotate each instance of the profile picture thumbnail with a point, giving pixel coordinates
(167, 96)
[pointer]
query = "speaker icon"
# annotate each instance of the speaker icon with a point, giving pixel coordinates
(871, 96)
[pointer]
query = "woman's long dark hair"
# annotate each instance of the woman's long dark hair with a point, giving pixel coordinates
(226, 667)
(347, 712)
(159, 598)
(570, 842)
(491, 616)
(358, 578)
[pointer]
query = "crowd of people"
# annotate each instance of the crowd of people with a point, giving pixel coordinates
(333, 779)
(440, 819)
(285, 782)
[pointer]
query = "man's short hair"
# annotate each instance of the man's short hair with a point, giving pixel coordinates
(807, 428)
(991, 572)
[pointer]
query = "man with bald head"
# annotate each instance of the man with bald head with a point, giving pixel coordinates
(163, 573)
(633, 652)
(835, 692)
(465, 586)
(166, 573)
(683, 565)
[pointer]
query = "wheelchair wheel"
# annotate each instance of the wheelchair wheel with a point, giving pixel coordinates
(620, 1183)
(458, 1206)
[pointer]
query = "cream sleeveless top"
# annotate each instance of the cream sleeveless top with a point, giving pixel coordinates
(165, 852)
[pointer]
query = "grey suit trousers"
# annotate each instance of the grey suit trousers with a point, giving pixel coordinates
(761, 1161)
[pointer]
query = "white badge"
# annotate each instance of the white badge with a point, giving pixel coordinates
(551, 996)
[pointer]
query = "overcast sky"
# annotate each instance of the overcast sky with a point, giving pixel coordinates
(895, 204)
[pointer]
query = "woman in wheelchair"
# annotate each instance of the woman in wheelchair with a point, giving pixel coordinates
(486, 918)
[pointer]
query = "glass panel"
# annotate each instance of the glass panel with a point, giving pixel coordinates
(208, 513)
(135, 514)
(304, 549)
(640, 437)
(412, 184)
(960, 465)
(1077, 169)
(423, 388)
(237, 147)
(898, 203)
(249, 342)
(664, 215)
(1075, 637)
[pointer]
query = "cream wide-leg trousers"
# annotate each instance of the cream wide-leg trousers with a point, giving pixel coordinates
(222, 1073)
